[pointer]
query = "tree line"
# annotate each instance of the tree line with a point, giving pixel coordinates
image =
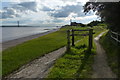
(109, 12)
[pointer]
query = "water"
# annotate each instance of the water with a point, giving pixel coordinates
(10, 33)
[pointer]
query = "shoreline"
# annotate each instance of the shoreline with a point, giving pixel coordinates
(11, 43)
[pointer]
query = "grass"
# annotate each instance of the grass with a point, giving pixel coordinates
(13, 58)
(73, 64)
(112, 51)
(78, 62)
(0, 63)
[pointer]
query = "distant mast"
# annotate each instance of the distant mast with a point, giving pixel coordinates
(18, 23)
(70, 21)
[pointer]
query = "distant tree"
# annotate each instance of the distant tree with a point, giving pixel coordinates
(81, 25)
(77, 24)
(108, 11)
(94, 23)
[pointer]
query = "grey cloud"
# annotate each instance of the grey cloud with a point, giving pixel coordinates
(47, 9)
(57, 20)
(8, 13)
(28, 5)
(104, 0)
(16, 9)
(66, 10)
(69, 0)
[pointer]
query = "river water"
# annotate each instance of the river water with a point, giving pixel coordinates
(10, 33)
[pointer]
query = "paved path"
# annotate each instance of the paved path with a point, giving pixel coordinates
(39, 67)
(100, 66)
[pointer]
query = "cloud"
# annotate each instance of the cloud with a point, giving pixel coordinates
(39, 12)
(8, 13)
(28, 6)
(65, 11)
(57, 20)
(104, 0)
(45, 8)
(16, 0)
(17, 10)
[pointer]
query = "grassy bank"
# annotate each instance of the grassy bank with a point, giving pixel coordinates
(112, 51)
(13, 58)
(78, 62)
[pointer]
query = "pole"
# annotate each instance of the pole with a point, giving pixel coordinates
(70, 21)
(18, 23)
(68, 38)
(73, 38)
(90, 39)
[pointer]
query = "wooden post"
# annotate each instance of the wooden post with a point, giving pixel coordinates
(73, 38)
(90, 39)
(68, 40)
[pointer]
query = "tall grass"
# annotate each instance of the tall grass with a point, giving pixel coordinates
(13, 58)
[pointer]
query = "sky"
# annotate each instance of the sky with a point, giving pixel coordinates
(44, 12)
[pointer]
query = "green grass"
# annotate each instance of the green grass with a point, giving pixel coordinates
(112, 51)
(0, 63)
(74, 64)
(78, 62)
(13, 58)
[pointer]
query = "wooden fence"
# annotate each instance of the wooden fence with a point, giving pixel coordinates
(115, 36)
(72, 33)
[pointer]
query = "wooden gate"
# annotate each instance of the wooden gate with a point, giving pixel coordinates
(90, 34)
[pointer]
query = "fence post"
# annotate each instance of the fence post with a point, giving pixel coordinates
(90, 39)
(73, 38)
(68, 40)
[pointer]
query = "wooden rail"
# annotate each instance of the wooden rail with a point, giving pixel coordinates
(80, 34)
(115, 36)
(81, 30)
(90, 34)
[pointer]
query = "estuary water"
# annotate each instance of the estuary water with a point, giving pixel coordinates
(11, 33)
